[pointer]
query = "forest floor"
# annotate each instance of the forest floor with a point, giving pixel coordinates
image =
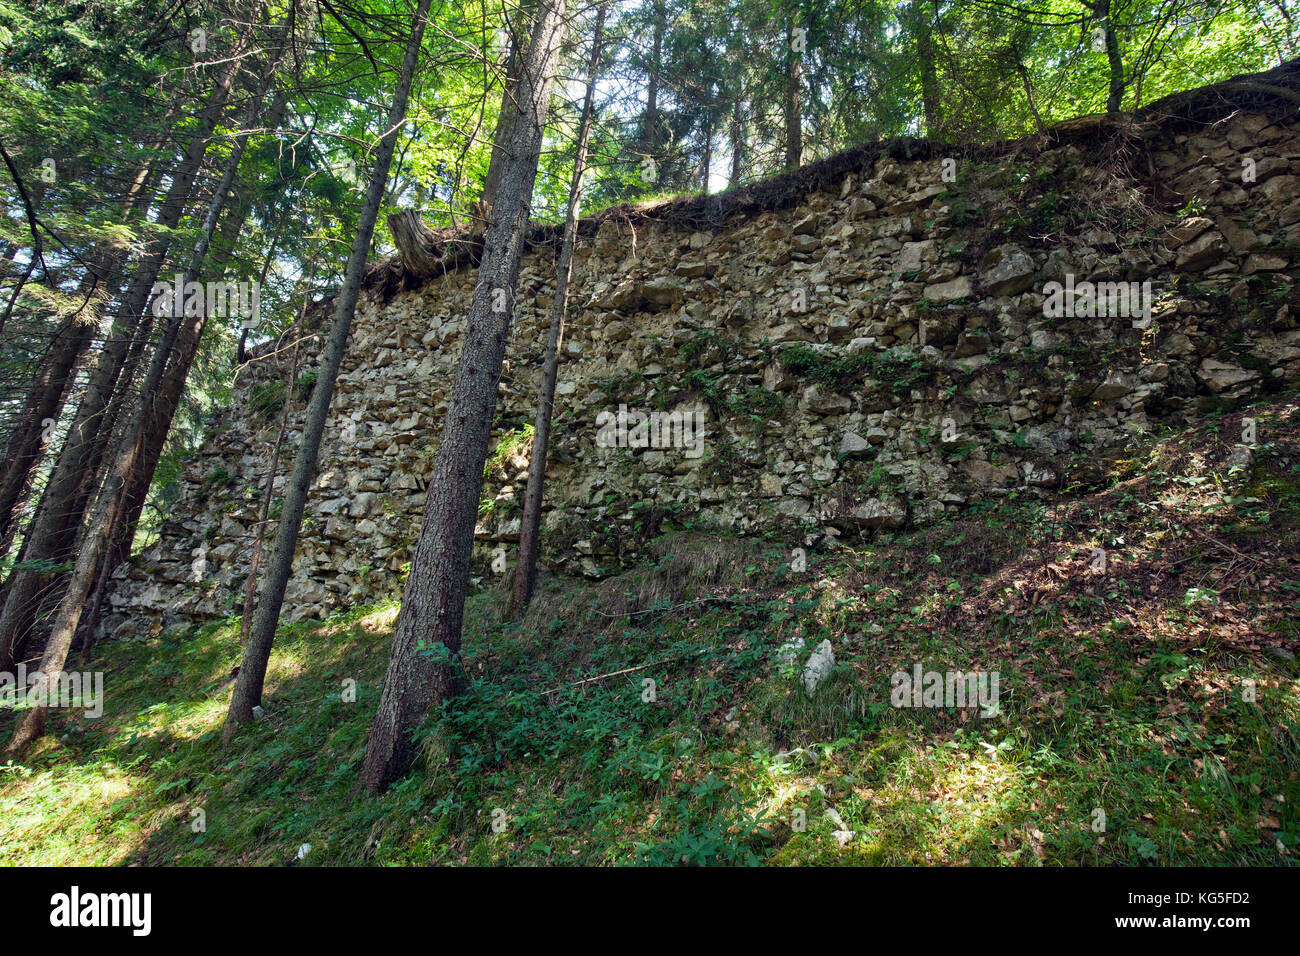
(1148, 713)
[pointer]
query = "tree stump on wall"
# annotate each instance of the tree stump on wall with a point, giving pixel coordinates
(416, 243)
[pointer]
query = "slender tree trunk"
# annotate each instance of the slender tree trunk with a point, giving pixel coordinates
(501, 132)
(529, 534)
(737, 142)
(43, 402)
(650, 142)
(268, 490)
(706, 162)
(1027, 85)
(925, 65)
(1115, 93)
(257, 651)
(433, 603)
(793, 103)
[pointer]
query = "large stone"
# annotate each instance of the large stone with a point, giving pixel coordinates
(625, 295)
(1260, 262)
(853, 444)
(1116, 385)
(1201, 253)
(1220, 376)
(915, 255)
(821, 400)
(789, 332)
(820, 666)
(793, 507)
(777, 379)
(860, 208)
(805, 243)
(950, 291)
(873, 514)
(662, 291)
(988, 475)
(1281, 188)
(689, 269)
(1187, 230)
(1011, 271)
(1240, 239)
(363, 504)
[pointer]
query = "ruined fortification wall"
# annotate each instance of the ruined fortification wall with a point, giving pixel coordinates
(867, 354)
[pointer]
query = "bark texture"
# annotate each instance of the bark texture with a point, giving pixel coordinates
(793, 103)
(433, 603)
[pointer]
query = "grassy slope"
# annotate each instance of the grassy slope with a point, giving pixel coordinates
(1120, 692)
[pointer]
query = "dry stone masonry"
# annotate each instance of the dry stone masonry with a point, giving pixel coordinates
(881, 351)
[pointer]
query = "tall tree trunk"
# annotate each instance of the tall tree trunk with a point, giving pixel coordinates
(1115, 61)
(1027, 85)
(925, 65)
(793, 102)
(268, 490)
(737, 142)
(433, 603)
(529, 533)
(257, 652)
(650, 141)
(501, 132)
(706, 161)
(43, 402)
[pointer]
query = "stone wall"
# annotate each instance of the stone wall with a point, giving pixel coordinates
(870, 354)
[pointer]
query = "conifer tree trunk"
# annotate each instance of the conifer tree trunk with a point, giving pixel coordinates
(737, 142)
(43, 402)
(257, 651)
(433, 603)
(925, 64)
(529, 534)
(268, 490)
(706, 163)
(793, 103)
(1114, 60)
(501, 132)
(650, 120)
